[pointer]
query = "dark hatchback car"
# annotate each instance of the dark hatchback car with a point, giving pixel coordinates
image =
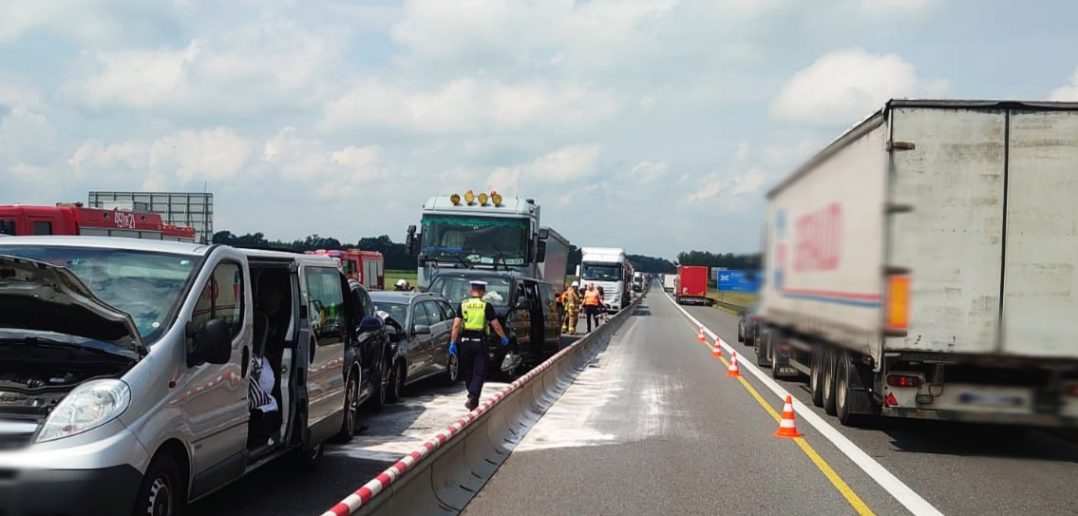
(419, 325)
(749, 325)
(526, 307)
(374, 351)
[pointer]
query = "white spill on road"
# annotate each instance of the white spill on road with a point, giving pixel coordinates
(609, 403)
(402, 427)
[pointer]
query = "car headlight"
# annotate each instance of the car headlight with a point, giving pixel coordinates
(86, 407)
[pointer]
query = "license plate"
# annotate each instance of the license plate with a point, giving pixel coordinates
(995, 400)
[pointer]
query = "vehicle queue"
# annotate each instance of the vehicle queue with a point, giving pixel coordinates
(150, 374)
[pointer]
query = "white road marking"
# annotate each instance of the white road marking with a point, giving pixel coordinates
(887, 480)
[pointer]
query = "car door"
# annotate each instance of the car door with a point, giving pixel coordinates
(419, 356)
(325, 376)
(440, 333)
(369, 341)
(216, 410)
(551, 316)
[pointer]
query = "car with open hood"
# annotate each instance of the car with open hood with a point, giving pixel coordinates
(127, 369)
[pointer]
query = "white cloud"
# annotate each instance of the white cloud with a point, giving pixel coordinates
(262, 65)
(25, 135)
(173, 160)
(726, 190)
(307, 163)
(1067, 92)
(843, 85)
(887, 7)
(647, 171)
(468, 105)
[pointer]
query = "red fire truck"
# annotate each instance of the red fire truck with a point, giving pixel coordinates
(366, 267)
(74, 219)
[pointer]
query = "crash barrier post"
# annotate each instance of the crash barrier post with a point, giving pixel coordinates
(446, 472)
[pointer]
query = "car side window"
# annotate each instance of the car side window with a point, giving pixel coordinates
(222, 297)
(447, 310)
(419, 315)
(547, 294)
(433, 312)
(325, 305)
(368, 305)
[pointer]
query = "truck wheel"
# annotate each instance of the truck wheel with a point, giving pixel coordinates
(772, 356)
(740, 333)
(750, 337)
(829, 359)
(816, 376)
(844, 393)
(761, 349)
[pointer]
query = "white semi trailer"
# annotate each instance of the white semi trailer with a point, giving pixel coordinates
(925, 265)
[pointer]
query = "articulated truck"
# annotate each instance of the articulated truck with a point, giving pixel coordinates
(925, 265)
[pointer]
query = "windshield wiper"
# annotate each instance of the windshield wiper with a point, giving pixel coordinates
(501, 256)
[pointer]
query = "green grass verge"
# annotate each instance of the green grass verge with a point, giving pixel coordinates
(738, 298)
(393, 276)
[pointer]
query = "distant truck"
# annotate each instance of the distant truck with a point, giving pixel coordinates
(486, 232)
(74, 219)
(608, 268)
(691, 285)
(365, 267)
(670, 282)
(923, 265)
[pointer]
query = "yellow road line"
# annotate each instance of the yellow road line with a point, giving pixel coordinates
(843, 488)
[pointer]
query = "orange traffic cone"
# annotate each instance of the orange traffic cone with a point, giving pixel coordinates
(716, 351)
(787, 428)
(700, 336)
(733, 371)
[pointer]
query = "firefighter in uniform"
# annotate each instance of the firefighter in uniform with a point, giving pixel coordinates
(475, 318)
(571, 299)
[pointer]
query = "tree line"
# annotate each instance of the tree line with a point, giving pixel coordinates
(397, 258)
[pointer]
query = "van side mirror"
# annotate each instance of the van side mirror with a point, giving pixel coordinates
(209, 342)
(370, 324)
(523, 303)
(421, 329)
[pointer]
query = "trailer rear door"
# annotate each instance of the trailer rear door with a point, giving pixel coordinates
(1040, 309)
(950, 240)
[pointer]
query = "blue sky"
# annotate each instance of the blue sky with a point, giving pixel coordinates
(654, 125)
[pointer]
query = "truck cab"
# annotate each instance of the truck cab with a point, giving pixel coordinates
(136, 361)
(607, 268)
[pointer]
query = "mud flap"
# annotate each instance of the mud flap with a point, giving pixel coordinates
(860, 397)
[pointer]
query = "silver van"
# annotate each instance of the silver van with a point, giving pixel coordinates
(129, 369)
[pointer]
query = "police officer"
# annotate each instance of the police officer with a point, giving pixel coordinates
(475, 319)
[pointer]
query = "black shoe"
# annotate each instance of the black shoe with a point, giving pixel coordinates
(471, 404)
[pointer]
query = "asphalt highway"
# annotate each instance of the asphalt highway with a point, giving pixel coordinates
(656, 427)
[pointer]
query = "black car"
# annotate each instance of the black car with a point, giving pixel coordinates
(373, 352)
(526, 307)
(420, 326)
(749, 325)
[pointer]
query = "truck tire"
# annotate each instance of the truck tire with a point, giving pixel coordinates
(740, 332)
(844, 393)
(772, 355)
(828, 381)
(816, 376)
(761, 349)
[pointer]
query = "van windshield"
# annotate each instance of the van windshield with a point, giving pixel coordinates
(146, 285)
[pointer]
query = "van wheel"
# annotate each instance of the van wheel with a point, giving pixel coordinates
(816, 376)
(452, 371)
(351, 409)
(829, 381)
(162, 492)
(396, 383)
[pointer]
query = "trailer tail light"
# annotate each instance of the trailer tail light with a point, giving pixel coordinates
(904, 380)
(898, 302)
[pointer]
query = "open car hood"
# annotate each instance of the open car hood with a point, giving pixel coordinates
(38, 296)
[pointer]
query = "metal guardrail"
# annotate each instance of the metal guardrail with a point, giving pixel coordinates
(445, 473)
(739, 309)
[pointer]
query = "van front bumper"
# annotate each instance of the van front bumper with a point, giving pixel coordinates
(69, 491)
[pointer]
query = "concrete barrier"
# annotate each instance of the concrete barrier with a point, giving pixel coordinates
(444, 474)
